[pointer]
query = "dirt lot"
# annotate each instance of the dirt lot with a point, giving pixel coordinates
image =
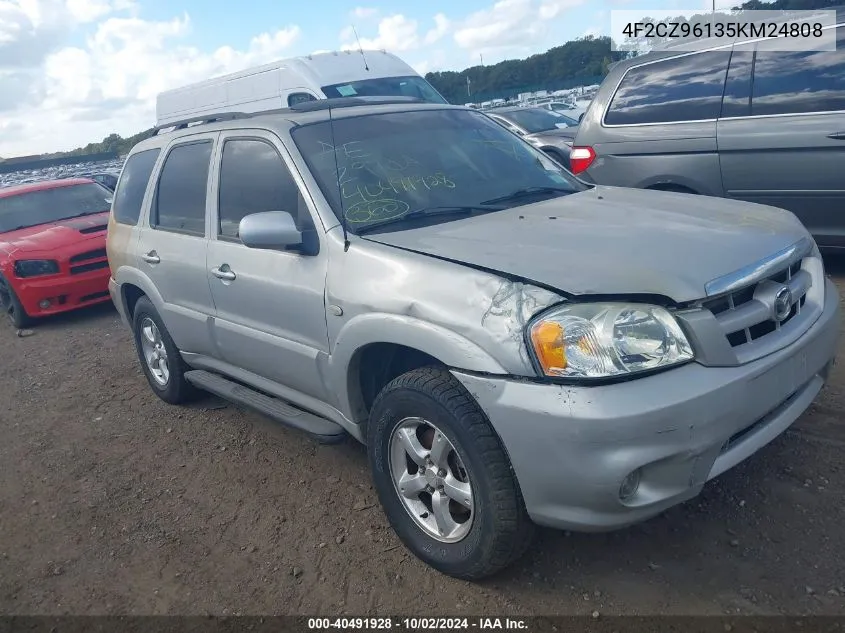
(113, 502)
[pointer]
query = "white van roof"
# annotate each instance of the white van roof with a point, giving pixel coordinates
(261, 87)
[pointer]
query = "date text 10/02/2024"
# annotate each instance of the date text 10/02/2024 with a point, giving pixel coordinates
(414, 624)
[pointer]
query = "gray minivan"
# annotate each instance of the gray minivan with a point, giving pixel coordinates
(744, 121)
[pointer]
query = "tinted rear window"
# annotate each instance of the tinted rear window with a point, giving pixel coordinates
(182, 189)
(799, 82)
(51, 205)
(687, 88)
(133, 184)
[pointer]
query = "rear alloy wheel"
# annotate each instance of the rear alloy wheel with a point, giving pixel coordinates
(11, 306)
(160, 359)
(443, 477)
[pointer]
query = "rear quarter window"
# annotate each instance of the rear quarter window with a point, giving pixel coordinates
(129, 197)
(685, 88)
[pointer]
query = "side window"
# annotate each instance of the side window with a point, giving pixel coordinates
(133, 184)
(737, 100)
(686, 88)
(797, 82)
(182, 186)
(300, 97)
(254, 179)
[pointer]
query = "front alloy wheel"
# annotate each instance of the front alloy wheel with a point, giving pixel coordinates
(443, 477)
(431, 479)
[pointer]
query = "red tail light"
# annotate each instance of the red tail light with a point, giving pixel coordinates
(581, 158)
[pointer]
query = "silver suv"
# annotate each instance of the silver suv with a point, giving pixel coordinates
(512, 346)
(751, 122)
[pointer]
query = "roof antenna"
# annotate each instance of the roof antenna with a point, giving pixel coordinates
(360, 50)
(337, 176)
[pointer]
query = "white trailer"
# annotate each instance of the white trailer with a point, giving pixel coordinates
(287, 82)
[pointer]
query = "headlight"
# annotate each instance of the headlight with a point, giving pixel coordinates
(35, 267)
(602, 340)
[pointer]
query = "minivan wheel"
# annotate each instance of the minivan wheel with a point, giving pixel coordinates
(11, 305)
(160, 359)
(443, 477)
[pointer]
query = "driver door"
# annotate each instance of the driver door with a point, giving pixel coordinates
(270, 310)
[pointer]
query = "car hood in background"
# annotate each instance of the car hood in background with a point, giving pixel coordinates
(55, 235)
(615, 241)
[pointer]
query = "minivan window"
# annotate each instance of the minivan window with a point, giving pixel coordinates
(685, 88)
(132, 186)
(254, 179)
(797, 82)
(182, 189)
(737, 100)
(438, 163)
(413, 86)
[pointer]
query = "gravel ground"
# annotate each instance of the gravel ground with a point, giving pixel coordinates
(112, 502)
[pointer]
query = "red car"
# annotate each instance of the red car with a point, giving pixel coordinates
(53, 247)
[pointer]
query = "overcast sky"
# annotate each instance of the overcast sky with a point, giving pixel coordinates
(73, 71)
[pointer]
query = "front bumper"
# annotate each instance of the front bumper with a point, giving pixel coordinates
(572, 447)
(63, 292)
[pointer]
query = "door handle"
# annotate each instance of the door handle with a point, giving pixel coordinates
(837, 136)
(151, 257)
(227, 275)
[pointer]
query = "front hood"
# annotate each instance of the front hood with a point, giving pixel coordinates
(52, 236)
(614, 241)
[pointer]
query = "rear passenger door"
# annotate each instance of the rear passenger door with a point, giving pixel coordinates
(271, 316)
(173, 242)
(782, 137)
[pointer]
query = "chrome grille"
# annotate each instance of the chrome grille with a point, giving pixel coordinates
(746, 316)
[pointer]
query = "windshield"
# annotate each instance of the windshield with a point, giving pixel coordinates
(413, 86)
(50, 205)
(534, 120)
(388, 166)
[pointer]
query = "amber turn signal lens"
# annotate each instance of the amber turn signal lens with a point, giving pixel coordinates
(547, 338)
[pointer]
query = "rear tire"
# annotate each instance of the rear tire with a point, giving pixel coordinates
(473, 492)
(160, 359)
(11, 306)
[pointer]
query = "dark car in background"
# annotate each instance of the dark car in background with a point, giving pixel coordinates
(750, 121)
(107, 179)
(545, 129)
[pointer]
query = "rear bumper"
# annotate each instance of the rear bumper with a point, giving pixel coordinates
(62, 293)
(117, 300)
(571, 448)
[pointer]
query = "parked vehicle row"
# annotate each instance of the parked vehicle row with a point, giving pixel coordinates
(510, 346)
(747, 122)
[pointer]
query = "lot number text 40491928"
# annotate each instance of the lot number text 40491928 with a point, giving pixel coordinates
(416, 624)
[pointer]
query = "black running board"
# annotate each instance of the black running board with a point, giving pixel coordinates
(322, 430)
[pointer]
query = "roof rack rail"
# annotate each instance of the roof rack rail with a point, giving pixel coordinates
(206, 118)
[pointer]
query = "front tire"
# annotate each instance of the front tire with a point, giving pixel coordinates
(443, 477)
(11, 306)
(160, 359)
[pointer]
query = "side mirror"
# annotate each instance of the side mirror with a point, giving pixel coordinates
(274, 230)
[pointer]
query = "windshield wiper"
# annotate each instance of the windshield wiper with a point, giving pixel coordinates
(528, 192)
(428, 212)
